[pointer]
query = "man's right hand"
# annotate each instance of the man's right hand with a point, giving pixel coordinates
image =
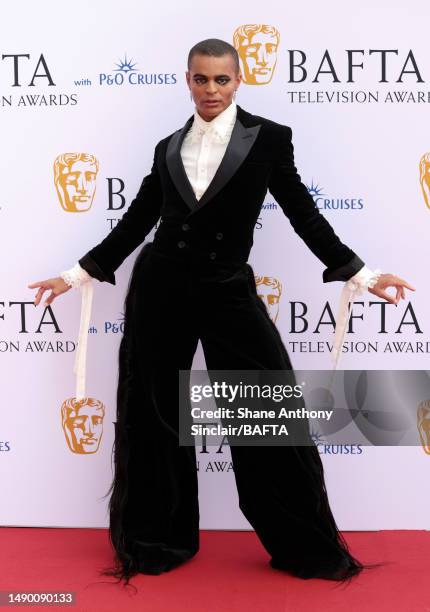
(57, 286)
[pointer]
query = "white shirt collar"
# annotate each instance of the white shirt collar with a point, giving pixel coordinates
(219, 126)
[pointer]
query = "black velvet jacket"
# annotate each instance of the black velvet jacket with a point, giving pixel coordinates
(219, 227)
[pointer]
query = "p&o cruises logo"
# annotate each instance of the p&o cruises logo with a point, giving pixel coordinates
(126, 72)
(325, 202)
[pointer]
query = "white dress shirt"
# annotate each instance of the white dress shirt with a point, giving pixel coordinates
(202, 150)
(204, 146)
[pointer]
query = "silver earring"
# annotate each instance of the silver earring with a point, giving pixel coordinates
(191, 96)
(234, 95)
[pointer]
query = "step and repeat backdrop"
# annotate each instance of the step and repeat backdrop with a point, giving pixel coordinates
(86, 92)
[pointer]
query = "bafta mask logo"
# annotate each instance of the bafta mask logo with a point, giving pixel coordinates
(269, 290)
(75, 180)
(425, 177)
(82, 422)
(257, 46)
(423, 424)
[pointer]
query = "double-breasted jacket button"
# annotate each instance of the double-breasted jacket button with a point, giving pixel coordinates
(212, 255)
(181, 244)
(219, 236)
(185, 227)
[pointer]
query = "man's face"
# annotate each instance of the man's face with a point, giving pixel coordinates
(212, 82)
(77, 184)
(258, 55)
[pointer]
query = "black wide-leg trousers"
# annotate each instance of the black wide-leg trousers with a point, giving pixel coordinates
(171, 304)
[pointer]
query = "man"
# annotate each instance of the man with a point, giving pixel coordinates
(207, 183)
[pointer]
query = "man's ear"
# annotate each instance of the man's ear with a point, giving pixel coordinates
(187, 76)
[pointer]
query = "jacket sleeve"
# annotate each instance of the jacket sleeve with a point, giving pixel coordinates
(298, 205)
(136, 223)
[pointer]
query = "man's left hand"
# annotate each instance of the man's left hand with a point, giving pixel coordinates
(390, 280)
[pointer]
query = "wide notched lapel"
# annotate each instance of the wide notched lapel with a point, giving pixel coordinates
(241, 140)
(176, 166)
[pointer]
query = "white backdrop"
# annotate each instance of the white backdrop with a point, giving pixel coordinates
(366, 149)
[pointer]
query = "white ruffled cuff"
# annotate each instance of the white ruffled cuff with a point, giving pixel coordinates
(363, 279)
(354, 287)
(76, 276)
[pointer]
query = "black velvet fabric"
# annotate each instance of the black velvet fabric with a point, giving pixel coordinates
(154, 510)
(222, 226)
